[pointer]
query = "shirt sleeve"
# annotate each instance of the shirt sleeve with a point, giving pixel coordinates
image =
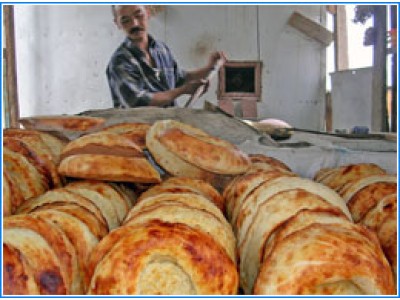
(180, 74)
(126, 85)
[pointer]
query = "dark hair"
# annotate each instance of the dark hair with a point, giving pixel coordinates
(113, 9)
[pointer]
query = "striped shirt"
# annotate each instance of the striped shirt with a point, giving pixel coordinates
(132, 80)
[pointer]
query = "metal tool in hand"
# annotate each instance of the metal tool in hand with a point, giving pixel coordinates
(200, 90)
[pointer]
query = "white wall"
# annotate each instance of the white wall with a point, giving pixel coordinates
(63, 51)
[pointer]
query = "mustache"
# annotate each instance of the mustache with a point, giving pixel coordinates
(136, 29)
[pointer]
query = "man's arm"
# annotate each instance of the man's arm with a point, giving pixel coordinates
(167, 97)
(202, 73)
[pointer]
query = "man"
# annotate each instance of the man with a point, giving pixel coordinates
(143, 71)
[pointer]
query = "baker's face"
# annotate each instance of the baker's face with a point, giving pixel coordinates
(132, 19)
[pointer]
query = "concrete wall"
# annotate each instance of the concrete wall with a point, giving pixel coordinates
(63, 51)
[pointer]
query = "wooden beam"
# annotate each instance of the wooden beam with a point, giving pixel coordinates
(328, 112)
(311, 28)
(341, 44)
(379, 103)
(11, 67)
(331, 9)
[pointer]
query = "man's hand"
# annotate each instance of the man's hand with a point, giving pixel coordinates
(191, 86)
(214, 57)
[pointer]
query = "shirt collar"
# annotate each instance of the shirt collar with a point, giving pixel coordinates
(130, 45)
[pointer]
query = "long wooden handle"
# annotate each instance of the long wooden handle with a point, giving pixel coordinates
(219, 63)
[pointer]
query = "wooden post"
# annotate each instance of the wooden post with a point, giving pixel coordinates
(340, 37)
(11, 67)
(379, 107)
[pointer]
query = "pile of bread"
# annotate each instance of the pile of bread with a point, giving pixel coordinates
(136, 209)
(371, 196)
(296, 237)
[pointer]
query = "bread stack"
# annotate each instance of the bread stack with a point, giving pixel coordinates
(82, 213)
(107, 156)
(296, 237)
(371, 196)
(185, 151)
(30, 166)
(175, 240)
(267, 163)
(136, 132)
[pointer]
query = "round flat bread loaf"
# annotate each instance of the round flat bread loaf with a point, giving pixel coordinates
(197, 218)
(30, 182)
(260, 160)
(252, 203)
(387, 234)
(168, 160)
(63, 196)
(107, 191)
(202, 150)
(58, 241)
(38, 158)
(236, 194)
(345, 174)
(363, 194)
(385, 207)
(161, 259)
(109, 168)
(96, 227)
(271, 213)
(62, 123)
(136, 132)
(14, 194)
(77, 232)
(300, 220)
(105, 206)
(18, 276)
(48, 271)
(325, 259)
(104, 143)
(186, 185)
(54, 144)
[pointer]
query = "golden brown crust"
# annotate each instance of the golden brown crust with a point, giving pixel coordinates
(197, 218)
(21, 171)
(136, 132)
(77, 232)
(102, 143)
(62, 123)
(271, 161)
(55, 145)
(321, 254)
(97, 228)
(108, 192)
(387, 234)
(109, 168)
(186, 185)
(204, 151)
(184, 260)
(344, 174)
(363, 194)
(44, 166)
(62, 196)
(238, 191)
(192, 200)
(39, 254)
(385, 207)
(302, 219)
(57, 240)
(104, 205)
(271, 213)
(18, 276)
(168, 160)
